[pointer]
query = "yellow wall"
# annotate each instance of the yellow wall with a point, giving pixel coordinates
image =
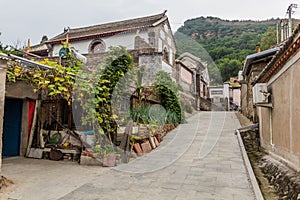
(285, 114)
(281, 111)
(296, 109)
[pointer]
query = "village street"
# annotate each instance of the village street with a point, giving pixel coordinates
(198, 160)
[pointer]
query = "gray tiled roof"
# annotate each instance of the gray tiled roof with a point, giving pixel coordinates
(110, 28)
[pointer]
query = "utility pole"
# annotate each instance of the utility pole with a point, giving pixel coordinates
(290, 12)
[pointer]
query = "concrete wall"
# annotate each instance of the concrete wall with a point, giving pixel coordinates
(186, 75)
(236, 96)
(2, 97)
(264, 127)
(19, 90)
(280, 127)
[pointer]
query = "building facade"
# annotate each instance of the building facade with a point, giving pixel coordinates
(143, 36)
(279, 114)
(254, 64)
(193, 77)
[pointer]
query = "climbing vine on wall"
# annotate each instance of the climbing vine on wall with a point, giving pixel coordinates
(93, 90)
(96, 94)
(168, 92)
(57, 83)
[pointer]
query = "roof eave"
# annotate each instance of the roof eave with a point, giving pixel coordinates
(252, 57)
(106, 34)
(278, 60)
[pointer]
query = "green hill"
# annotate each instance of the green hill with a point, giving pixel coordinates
(223, 44)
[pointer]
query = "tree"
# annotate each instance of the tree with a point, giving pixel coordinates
(229, 68)
(224, 40)
(268, 39)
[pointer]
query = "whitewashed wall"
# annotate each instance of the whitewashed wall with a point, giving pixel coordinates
(126, 40)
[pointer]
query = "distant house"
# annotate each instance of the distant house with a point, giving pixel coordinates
(40, 50)
(193, 77)
(226, 96)
(254, 64)
(234, 93)
(217, 97)
(276, 93)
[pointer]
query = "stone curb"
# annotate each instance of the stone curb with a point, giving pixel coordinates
(257, 192)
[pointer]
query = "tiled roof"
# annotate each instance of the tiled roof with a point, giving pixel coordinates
(109, 28)
(288, 50)
(184, 65)
(201, 64)
(256, 56)
(4, 57)
(39, 48)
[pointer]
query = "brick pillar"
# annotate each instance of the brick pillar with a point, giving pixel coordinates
(2, 97)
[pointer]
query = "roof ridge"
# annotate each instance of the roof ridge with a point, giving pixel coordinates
(153, 17)
(141, 22)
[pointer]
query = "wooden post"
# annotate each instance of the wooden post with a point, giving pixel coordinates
(2, 99)
(34, 122)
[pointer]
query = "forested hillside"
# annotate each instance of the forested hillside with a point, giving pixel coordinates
(226, 42)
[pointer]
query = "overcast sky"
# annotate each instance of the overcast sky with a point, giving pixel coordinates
(23, 19)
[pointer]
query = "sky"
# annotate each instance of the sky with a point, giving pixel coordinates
(24, 19)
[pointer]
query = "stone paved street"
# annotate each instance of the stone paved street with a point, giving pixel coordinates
(181, 168)
(198, 160)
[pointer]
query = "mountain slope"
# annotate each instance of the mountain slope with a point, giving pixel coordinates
(226, 42)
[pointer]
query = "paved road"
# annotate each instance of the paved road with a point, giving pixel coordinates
(198, 160)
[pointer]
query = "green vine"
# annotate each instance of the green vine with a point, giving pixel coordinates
(57, 83)
(95, 95)
(168, 92)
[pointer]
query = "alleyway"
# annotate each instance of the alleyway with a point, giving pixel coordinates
(198, 160)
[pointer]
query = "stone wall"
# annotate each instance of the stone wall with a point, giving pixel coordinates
(285, 181)
(275, 177)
